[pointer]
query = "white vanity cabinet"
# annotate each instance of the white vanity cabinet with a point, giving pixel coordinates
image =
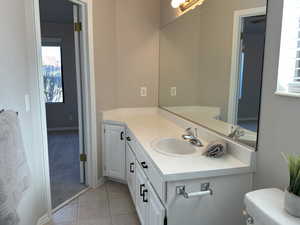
(130, 171)
(216, 199)
(141, 195)
(114, 154)
(156, 211)
(148, 205)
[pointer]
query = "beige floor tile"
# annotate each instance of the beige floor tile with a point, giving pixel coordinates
(65, 223)
(93, 210)
(101, 221)
(126, 219)
(110, 204)
(99, 194)
(67, 214)
(121, 206)
(117, 190)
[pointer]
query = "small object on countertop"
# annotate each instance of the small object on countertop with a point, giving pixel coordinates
(216, 149)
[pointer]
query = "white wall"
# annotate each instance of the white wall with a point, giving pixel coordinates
(126, 40)
(105, 53)
(137, 36)
(15, 77)
(279, 123)
(126, 34)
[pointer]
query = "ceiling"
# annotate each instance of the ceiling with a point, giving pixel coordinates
(56, 11)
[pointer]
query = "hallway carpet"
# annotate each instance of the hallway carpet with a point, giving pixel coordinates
(64, 166)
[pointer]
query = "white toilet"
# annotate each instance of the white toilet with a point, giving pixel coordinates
(266, 207)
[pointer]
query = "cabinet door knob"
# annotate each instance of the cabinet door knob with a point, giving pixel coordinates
(141, 189)
(144, 165)
(144, 195)
(131, 168)
(122, 136)
(128, 139)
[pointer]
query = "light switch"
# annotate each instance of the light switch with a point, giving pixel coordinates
(143, 91)
(27, 103)
(173, 91)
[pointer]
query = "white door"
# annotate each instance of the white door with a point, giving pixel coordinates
(79, 78)
(141, 194)
(130, 170)
(114, 143)
(156, 211)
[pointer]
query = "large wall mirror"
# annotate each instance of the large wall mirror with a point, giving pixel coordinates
(211, 64)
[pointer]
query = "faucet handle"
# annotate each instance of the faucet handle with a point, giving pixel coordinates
(189, 131)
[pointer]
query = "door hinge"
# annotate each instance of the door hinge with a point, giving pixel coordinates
(78, 27)
(166, 221)
(242, 36)
(83, 157)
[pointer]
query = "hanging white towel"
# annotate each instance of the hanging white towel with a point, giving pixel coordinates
(14, 170)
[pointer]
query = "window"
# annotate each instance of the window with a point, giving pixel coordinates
(52, 73)
(289, 61)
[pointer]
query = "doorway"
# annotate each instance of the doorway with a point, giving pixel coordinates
(246, 67)
(64, 99)
(250, 73)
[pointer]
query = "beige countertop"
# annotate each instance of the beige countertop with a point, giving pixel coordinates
(147, 125)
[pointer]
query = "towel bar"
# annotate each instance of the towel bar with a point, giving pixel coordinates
(205, 190)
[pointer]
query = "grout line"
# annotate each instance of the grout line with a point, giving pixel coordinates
(108, 202)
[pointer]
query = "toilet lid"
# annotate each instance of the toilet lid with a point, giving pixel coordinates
(267, 206)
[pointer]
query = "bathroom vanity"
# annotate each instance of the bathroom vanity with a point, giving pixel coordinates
(174, 189)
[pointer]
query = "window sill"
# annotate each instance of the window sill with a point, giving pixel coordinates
(287, 94)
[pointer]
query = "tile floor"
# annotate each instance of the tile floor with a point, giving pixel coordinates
(64, 165)
(110, 204)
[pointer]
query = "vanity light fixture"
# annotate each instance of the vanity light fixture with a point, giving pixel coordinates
(176, 3)
(184, 5)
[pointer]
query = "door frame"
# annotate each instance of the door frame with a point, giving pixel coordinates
(239, 16)
(88, 76)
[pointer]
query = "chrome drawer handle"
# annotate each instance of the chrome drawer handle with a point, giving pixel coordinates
(144, 165)
(144, 195)
(141, 189)
(205, 190)
(131, 168)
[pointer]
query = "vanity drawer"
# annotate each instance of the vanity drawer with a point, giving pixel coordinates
(156, 180)
(149, 169)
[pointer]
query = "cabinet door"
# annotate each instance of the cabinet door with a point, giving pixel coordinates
(141, 195)
(114, 144)
(156, 211)
(130, 170)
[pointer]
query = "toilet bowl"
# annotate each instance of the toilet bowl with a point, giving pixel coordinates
(266, 207)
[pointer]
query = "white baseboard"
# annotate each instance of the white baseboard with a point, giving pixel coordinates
(44, 220)
(101, 181)
(62, 129)
(117, 180)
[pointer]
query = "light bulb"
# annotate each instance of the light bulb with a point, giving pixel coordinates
(175, 3)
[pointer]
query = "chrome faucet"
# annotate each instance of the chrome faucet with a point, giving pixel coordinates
(192, 137)
(236, 132)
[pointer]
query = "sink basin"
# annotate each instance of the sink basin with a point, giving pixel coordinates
(174, 147)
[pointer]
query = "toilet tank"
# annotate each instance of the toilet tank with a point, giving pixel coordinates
(266, 207)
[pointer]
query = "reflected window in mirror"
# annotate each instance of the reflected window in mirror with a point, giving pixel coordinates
(289, 63)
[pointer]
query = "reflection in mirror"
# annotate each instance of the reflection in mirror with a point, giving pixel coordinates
(211, 62)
